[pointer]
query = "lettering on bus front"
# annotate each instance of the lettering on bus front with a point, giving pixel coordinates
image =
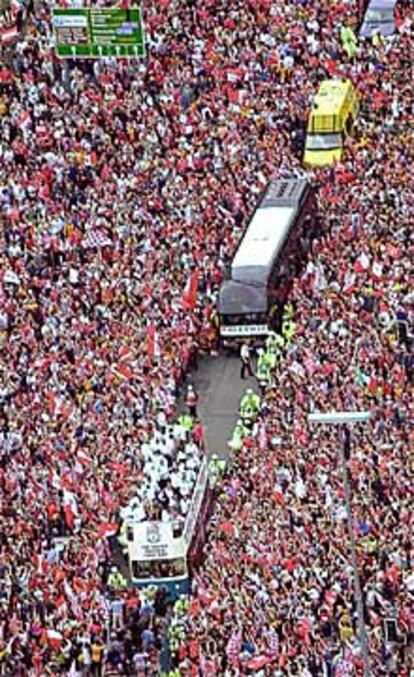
(154, 550)
(244, 330)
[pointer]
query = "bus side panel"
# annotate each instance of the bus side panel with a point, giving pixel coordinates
(294, 254)
(195, 552)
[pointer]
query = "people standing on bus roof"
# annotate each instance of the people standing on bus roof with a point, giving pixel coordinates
(246, 363)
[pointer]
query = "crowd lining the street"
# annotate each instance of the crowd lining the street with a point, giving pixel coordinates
(276, 595)
(124, 189)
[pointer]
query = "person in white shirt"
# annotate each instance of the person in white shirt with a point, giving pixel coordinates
(246, 364)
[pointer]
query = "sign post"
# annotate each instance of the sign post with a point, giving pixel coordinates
(343, 418)
(88, 32)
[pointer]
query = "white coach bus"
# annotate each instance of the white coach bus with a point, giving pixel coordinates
(271, 252)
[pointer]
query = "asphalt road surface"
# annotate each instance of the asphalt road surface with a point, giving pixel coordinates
(220, 389)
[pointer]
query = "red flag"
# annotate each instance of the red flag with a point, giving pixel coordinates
(8, 34)
(69, 517)
(361, 264)
(54, 639)
(64, 411)
(125, 353)
(227, 527)
(153, 344)
(194, 608)
(5, 75)
(123, 370)
(51, 401)
(190, 291)
(84, 458)
(258, 663)
(120, 468)
(107, 529)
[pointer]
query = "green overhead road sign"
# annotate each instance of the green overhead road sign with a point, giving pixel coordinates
(94, 33)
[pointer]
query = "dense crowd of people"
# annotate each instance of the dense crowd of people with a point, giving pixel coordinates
(124, 188)
(276, 594)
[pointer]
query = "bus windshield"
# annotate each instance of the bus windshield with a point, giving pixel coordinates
(168, 568)
(323, 141)
(249, 318)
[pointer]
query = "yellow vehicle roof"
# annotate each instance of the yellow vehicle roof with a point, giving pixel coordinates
(331, 96)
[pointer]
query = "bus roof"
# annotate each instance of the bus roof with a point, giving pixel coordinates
(331, 96)
(267, 231)
(262, 241)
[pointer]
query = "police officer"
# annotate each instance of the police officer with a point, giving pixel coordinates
(239, 432)
(185, 423)
(116, 579)
(123, 538)
(249, 406)
(349, 41)
(181, 605)
(272, 344)
(288, 311)
(216, 468)
(288, 330)
(265, 364)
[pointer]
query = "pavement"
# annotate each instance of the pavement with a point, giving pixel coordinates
(219, 387)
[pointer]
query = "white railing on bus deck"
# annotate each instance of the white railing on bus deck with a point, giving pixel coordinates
(199, 491)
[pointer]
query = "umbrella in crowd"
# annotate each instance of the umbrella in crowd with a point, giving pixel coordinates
(124, 187)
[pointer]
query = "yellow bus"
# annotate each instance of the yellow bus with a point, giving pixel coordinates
(333, 113)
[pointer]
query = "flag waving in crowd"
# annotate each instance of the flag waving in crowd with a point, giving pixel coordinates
(190, 291)
(124, 187)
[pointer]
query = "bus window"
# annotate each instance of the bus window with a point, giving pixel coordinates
(168, 568)
(232, 320)
(141, 569)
